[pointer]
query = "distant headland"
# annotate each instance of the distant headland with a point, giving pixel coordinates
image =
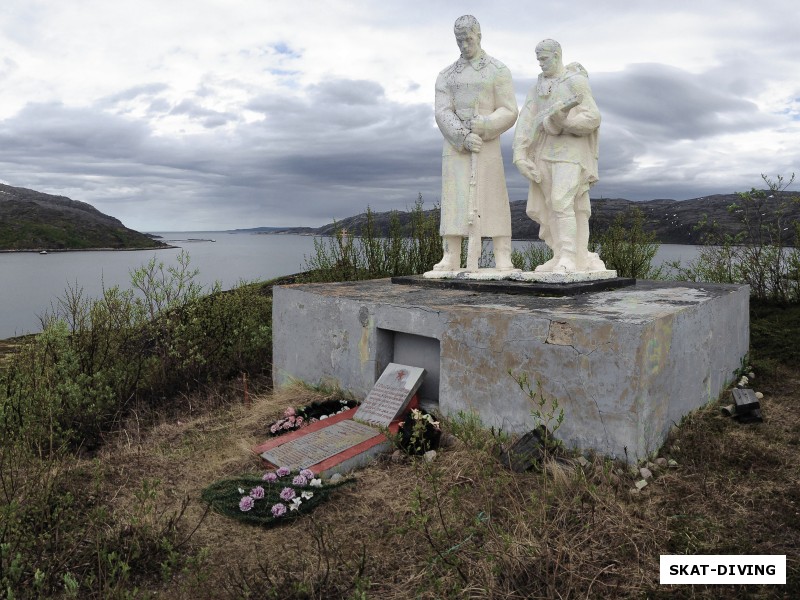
(33, 221)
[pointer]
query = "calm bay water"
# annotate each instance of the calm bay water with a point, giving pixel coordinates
(30, 282)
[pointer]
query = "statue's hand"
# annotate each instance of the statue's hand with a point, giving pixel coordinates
(528, 170)
(478, 125)
(473, 142)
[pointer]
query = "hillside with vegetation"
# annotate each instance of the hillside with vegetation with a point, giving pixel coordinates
(31, 220)
(670, 221)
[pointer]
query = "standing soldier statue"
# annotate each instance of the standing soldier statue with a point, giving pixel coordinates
(475, 103)
(555, 147)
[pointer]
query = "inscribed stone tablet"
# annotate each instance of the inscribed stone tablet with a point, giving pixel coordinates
(390, 395)
(313, 448)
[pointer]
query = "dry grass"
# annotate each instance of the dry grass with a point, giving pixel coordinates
(464, 527)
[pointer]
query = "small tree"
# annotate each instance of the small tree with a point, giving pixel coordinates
(628, 248)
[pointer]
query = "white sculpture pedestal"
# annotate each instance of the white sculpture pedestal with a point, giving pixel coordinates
(519, 275)
(479, 275)
(563, 276)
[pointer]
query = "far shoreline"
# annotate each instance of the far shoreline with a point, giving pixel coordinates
(54, 250)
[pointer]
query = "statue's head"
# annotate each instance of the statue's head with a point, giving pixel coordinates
(468, 36)
(548, 53)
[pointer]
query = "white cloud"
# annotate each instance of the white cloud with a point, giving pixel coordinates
(202, 114)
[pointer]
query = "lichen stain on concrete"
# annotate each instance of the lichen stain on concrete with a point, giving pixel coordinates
(340, 344)
(560, 334)
(363, 344)
(657, 347)
(633, 305)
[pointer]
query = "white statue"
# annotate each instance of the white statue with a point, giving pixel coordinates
(555, 147)
(475, 103)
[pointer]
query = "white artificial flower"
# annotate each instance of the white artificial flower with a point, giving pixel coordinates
(316, 483)
(307, 495)
(241, 490)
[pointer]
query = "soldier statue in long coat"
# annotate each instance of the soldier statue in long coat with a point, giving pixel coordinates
(475, 103)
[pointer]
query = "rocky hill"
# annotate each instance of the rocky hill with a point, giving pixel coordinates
(672, 221)
(31, 220)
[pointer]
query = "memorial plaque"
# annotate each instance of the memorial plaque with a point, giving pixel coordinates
(319, 445)
(391, 394)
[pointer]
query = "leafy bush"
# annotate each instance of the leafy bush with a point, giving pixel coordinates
(759, 255)
(367, 255)
(533, 255)
(62, 390)
(95, 358)
(627, 248)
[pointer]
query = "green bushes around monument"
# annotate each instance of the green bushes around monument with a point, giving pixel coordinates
(366, 254)
(95, 359)
(627, 248)
(95, 363)
(759, 255)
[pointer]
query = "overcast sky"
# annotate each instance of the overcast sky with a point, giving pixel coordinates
(205, 114)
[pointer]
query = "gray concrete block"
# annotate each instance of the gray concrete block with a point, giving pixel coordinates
(623, 364)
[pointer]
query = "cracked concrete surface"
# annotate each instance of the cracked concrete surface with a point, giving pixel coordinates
(624, 364)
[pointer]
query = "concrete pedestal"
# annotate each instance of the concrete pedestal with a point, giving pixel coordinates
(623, 364)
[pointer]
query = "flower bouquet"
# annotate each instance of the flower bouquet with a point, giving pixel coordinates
(275, 497)
(419, 432)
(297, 418)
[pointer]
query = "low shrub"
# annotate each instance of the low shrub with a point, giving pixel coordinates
(627, 248)
(759, 255)
(95, 359)
(366, 255)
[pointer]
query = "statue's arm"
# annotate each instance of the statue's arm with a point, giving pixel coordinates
(505, 113)
(449, 124)
(524, 128)
(584, 118)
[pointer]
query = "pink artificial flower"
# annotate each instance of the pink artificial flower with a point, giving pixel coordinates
(270, 477)
(246, 503)
(289, 412)
(282, 472)
(300, 422)
(287, 494)
(300, 481)
(278, 510)
(257, 493)
(273, 428)
(307, 473)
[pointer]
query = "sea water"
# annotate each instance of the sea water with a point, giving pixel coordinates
(31, 283)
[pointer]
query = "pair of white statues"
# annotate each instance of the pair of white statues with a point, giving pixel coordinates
(555, 148)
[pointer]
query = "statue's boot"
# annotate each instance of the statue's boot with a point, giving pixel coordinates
(548, 265)
(567, 235)
(585, 260)
(582, 242)
(502, 253)
(553, 243)
(451, 261)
